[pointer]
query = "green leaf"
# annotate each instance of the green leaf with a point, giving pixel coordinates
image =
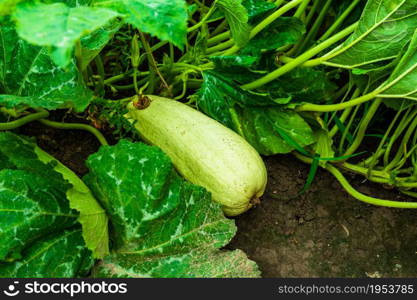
(8, 38)
(194, 264)
(58, 26)
(299, 85)
(256, 8)
(370, 79)
(28, 76)
(258, 118)
(274, 130)
(240, 68)
(324, 145)
(237, 18)
(302, 85)
(196, 54)
(227, 61)
(12, 101)
(73, 3)
(59, 255)
(339, 7)
(162, 226)
(93, 43)
(284, 31)
(403, 80)
(166, 20)
(30, 207)
(20, 154)
(384, 28)
(219, 94)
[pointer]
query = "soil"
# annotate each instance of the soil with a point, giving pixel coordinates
(325, 232)
(321, 233)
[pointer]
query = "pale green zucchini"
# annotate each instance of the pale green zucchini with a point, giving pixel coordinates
(204, 151)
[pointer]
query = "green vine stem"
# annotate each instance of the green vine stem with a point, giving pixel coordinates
(24, 120)
(204, 19)
(301, 59)
(79, 56)
(361, 197)
(219, 29)
(159, 45)
(339, 20)
(401, 150)
(301, 9)
(363, 126)
(101, 75)
(345, 133)
(218, 38)
(226, 35)
(76, 126)
(151, 59)
(339, 106)
(345, 114)
(376, 175)
(220, 47)
(278, 3)
(342, 119)
(405, 121)
(266, 22)
(312, 12)
(314, 29)
(356, 194)
(414, 156)
(372, 161)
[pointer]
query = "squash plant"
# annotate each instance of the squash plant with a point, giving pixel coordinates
(332, 82)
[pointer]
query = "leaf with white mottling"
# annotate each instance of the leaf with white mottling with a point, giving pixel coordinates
(28, 76)
(18, 153)
(59, 255)
(30, 207)
(194, 264)
(160, 222)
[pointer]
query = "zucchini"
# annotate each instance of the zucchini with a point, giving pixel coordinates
(203, 151)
